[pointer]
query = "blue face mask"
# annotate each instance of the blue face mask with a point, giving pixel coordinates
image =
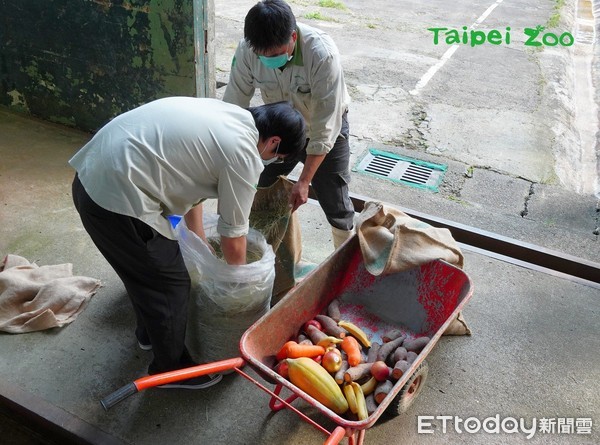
(275, 62)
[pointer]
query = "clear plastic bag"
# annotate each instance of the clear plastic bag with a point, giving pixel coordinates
(225, 299)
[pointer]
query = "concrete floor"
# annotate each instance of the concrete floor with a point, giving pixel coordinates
(533, 353)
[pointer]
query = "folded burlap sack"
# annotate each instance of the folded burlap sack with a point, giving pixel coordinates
(271, 215)
(34, 298)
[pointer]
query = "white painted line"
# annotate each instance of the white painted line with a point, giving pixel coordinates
(449, 52)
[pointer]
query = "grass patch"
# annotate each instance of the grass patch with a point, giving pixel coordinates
(318, 16)
(332, 4)
(371, 26)
(554, 19)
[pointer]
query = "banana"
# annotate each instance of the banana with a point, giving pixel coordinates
(329, 341)
(369, 386)
(356, 332)
(350, 397)
(361, 403)
(314, 380)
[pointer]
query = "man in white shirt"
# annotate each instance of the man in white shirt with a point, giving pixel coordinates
(286, 60)
(165, 158)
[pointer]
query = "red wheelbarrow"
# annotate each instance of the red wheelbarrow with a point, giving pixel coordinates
(422, 301)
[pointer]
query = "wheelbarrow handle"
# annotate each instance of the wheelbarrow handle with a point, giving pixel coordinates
(169, 377)
(118, 396)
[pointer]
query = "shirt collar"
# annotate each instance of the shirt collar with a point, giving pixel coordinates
(297, 58)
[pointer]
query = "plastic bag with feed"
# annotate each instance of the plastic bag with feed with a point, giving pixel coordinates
(225, 299)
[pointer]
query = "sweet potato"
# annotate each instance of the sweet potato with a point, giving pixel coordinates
(392, 334)
(315, 335)
(389, 347)
(371, 403)
(357, 372)
(382, 390)
(411, 356)
(372, 354)
(399, 354)
(333, 310)
(302, 337)
(339, 376)
(400, 368)
(330, 326)
(416, 344)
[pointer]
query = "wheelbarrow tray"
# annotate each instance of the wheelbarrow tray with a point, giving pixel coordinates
(422, 301)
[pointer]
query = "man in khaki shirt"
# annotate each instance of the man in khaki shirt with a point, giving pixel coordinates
(286, 60)
(164, 158)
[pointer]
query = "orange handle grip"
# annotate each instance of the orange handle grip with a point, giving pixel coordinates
(187, 373)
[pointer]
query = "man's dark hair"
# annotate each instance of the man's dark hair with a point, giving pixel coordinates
(283, 120)
(269, 24)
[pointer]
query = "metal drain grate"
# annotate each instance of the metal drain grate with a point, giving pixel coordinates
(412, 172)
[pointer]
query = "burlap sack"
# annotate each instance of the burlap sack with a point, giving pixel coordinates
(392, 241)
(271, 215)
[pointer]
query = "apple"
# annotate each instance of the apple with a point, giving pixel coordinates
(332, 361)
(282, 368)
(380, 371)
(314, 323)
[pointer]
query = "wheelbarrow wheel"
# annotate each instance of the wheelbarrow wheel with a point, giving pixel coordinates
(409, 392)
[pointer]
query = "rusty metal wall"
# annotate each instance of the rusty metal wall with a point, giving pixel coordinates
(82, 62)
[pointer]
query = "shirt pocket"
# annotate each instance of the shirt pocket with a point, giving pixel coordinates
(301, 89)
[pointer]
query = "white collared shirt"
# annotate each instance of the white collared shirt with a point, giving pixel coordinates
(168, 155)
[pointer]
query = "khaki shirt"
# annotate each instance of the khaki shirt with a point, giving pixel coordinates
(313, 81)
(168, 155)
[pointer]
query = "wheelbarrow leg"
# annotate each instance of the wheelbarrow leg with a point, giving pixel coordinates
(277, 405)
(356, 437)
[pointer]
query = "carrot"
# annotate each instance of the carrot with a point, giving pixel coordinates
(283, 352)
(352, 349)
(297, 351)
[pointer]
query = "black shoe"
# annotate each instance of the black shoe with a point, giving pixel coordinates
(202, 382)
(143, 340)
(144, 347)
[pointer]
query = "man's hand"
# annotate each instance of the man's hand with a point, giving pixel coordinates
(299, 194)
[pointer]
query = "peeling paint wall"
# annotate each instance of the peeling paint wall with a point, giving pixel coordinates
(82, 62)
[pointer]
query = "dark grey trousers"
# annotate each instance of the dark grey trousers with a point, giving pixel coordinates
(330, 182)
(153, 272)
